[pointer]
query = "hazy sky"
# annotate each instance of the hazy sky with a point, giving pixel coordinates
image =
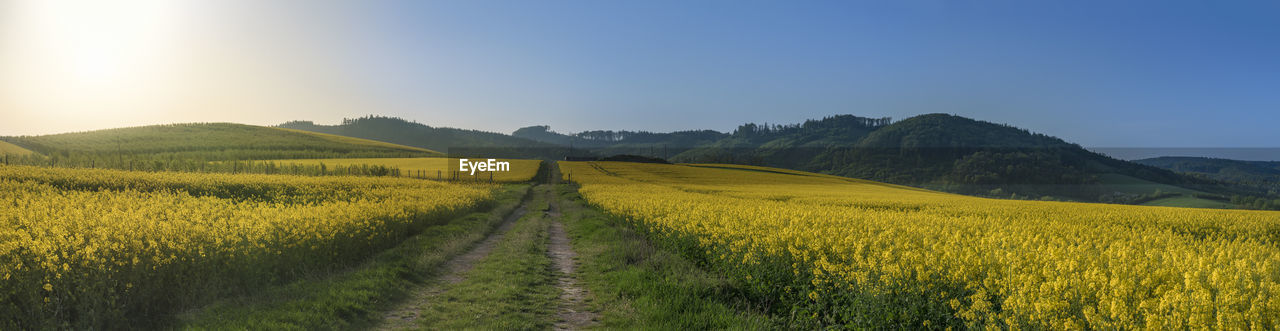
(1100, 73)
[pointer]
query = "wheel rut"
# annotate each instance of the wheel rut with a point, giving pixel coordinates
(572, 314)
(405, 315)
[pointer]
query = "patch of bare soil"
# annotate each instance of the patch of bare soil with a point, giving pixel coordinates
(573, 313)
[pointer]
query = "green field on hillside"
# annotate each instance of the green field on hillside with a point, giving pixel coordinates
(7, 148)
(1190, 202)
(1131, 185)
(197, 147)
(209, 141)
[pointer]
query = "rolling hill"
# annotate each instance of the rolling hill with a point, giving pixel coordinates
(11, 149)
(447, 140)
(970, 156)
(943, 152)
(1261, 174)
(796, 146)
(205, 142)
(608, 142)
(935, 151)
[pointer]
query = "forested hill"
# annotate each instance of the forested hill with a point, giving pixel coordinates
(609, 142)
(833, 129)
(970, 156)
(400, 131)
(204, 141)
(1261, 174)
(795, 146)
(936, 151)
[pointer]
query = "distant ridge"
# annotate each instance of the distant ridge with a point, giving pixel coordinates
(935, 151)
(1271, 154)
(938, 151)
(404, 132)
(1261, 174)
(609, 142)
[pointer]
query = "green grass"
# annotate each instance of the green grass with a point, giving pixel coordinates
(369, 143)
(511, 289)
(354, 298)
(1190, 202)
(635, 285)
(1131, 185)
(1184, 198)
(208, 142)
(7, 148)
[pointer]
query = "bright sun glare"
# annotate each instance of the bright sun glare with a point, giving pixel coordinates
(84, 58)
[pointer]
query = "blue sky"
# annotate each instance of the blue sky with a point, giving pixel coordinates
(1100, 73)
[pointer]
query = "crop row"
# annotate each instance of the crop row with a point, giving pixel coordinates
(82, 248)
(836, 251)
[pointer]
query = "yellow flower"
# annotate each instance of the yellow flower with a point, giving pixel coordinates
(1023, 264)
(117, 225)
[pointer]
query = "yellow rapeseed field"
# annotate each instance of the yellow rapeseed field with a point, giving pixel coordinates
(839, 251)
(432, 168)
(89, 247)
